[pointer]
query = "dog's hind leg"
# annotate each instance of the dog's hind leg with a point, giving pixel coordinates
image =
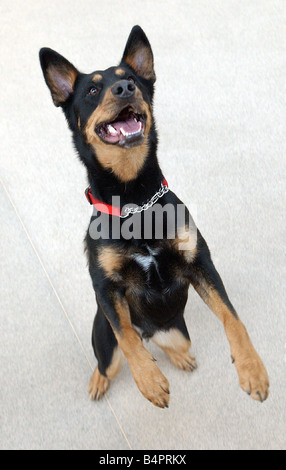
(176, 343)
(108, 354)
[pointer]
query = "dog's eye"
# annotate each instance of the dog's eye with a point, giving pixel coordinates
(93, 91)
(131, 79)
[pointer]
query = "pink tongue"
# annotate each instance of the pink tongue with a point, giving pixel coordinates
(129, 126)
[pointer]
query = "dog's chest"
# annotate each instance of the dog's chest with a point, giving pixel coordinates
(156, 268)
(156, 287)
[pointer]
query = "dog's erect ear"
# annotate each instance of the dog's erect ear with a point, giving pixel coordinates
(138, 54)
(60, 75)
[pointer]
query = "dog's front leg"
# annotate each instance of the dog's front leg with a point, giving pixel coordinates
(148, 377)
(253, 376)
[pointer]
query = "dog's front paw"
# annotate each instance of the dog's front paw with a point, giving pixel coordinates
(153, 384)
(253, 376)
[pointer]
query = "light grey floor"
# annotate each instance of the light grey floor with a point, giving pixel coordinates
(220, 109)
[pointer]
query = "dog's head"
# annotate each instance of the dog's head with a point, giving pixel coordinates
(109, 111)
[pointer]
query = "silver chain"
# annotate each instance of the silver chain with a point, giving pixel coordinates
(126, 211)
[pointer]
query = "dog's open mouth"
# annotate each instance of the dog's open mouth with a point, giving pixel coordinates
(126, 130)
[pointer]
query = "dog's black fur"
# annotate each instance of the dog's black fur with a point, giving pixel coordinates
(141, 284)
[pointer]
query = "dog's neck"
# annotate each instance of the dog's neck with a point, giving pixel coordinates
(105, 184)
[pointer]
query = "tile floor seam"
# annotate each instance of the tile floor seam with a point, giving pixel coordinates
(59, 301)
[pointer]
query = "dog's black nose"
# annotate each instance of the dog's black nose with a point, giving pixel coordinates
(123, 89)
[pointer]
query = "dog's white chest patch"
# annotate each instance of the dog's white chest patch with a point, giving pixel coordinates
(145, 261)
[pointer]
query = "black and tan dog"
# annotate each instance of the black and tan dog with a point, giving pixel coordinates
(141, 279)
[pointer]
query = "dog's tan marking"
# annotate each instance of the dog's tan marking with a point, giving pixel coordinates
(110, 260)
(177, 347)
(97, 77)
(253, 376)
(186, 242)
(120, 72)
(148, 377)
(124, 163)
(116, 363)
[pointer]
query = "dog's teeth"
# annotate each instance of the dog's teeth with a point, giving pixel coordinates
(111, 129)
(127, 134)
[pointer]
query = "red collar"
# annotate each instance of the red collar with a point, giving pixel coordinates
(112, 210)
